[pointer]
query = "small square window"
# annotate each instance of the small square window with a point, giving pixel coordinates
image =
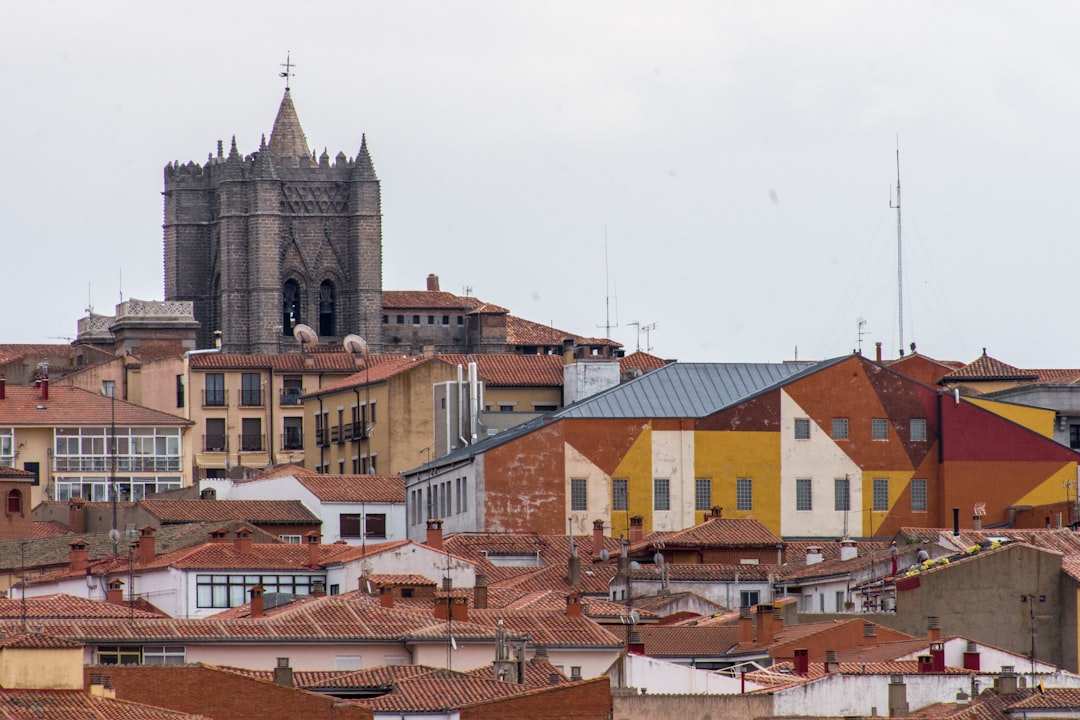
(802, 428)
(460, 319)
(430, 319)
(415, 319)
(840, 429)
(400, 319)
(879, 428)
(918, 429)
(445, 319)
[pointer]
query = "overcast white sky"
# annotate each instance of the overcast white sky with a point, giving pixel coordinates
(739, 157)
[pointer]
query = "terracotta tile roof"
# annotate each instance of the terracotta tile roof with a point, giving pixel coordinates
(872, 555)
(337, 361)
(62, 606)
(441, 690)
(817, 670)
(883, 651)
(78, 705)
(488, 309)
(641, 362)
(553, 550)
(538, 673)
(16, 351)
(554, 629)
(391, 580)
(376, 374)
(74, 406)
(714, 532)
(551, 601)
(226, 556)
(703, 572)
(13, 473)
(426, 300)
(988, 706)
(48, 528)
(595, 580)
(675, 641)
(276, 512)
(355, 488)
(510, 370)
(1063, 541)
(51, 552)
(526, 332)
(988, 368)
(1050, 698)
(375, 677)
(37, 641)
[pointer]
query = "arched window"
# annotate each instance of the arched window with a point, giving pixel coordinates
(290, 316)
(14, 502)
(326, 308)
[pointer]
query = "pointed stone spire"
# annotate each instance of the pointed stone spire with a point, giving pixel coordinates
(233, 152)
(287, 137)
(264, 163)
(363, 168)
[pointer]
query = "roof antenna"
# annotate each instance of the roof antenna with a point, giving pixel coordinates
(288, 65)
(607, 295)
(899, 250)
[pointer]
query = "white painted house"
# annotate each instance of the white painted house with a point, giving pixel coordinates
(356, 509)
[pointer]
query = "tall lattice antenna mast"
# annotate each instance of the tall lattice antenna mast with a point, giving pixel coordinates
(607, 296)
(899, 251)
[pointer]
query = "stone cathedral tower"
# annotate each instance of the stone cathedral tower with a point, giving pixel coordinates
(264, 241)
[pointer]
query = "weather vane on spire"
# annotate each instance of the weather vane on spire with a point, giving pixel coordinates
(288, 65)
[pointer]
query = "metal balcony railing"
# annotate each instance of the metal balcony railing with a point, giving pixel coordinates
(291, 396)
(250, 397)
(215, 443)
(214, 397)
(252, 442)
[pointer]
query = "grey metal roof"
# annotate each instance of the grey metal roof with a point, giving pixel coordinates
(684, 390)
(676, 390)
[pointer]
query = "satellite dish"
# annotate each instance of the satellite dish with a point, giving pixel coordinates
(305, 335)
(605, 555)
(453, 642)
(114, 535)
(635, 565)
(635, 617)
(658, 558)
(355, 344)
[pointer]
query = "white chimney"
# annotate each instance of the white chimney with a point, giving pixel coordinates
(813, 555)
(848, 549)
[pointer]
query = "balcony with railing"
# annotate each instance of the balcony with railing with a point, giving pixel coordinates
(322, 437)
(335, 434)
(250, 397)
(213, 397)
(215, 443)
(291, 396)
(292, 440)
(252, 442)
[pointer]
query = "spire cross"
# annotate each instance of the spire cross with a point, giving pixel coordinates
(288, 65)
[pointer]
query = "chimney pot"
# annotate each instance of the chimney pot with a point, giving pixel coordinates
(114, 595)
(258, 604)
(765, 624)
(480, 592)
(44, 388)
(314, 549)
(386, 597)
(637, 529)
(283, 674)
(434, 534)
(573, 605)
(746, 625)
(147, 544)
(597, 538)
(933, 624)
(432, 282)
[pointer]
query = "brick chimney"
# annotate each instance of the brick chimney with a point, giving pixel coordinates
(764, 624)
(219, 536)
(243, 541)
(1006, 682)
(716, 512)
(480, 592)
(597, 538)
(573, 605)
(933, 625)
(573, 568)
(976, 522)
(746, 626)
(257, 601)
(386, 597)
(78, 556)
(802, 662)
(313, 547)
(77, 515)
(114, 595)
(432, 282)
(283, 673)
(869, 634)
(442, 607)
(44, 385)
(926, 663)
(434, 534)
(459, 609)
(971, 657)
(777, 620)
(635, 645)
(3, 387)
(637, 529)
(147, 544)
(937, 656)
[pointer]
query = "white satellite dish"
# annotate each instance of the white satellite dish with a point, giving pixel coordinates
(658, 558)
(605, 555)
(635, 565)
(355, 344)
(305, 335)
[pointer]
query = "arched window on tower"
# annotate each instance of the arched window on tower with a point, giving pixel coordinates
(14, 503)
(326, 308)
(290, 316)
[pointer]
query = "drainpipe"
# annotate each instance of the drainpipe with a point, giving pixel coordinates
(322, 446)
(270, 430)
(187, 395)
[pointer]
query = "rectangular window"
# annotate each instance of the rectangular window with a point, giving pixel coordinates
(918, 495)
(620, 494)
(430, 319)
(119, 654)
(214, 439)
(164, 655)
(804, 499)
(445, 319)
(292, 387)
(918, 429)
(214, 394)
(839, 429)
(881, 494)
(702, 493)
(349, 525)
(842, 493)
(375, 525)
(748, 598)
(400, 319)
(744, 494)
(293, 436)
(802, 428)
(460, 319)
(290, 539)
(661, 494)
(579, 500)
(879, 429)
(251, 439)
(179, 391)
(415, 319)
(251, 389)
